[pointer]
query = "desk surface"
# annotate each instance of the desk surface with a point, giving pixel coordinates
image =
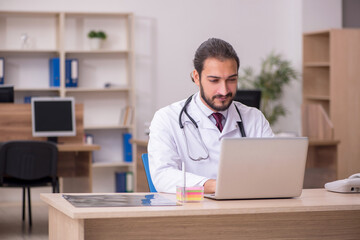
(311, 200)
(317, 214)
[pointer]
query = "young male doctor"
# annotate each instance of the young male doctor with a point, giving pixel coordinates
(190, 131)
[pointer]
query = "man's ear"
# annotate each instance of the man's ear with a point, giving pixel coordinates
(196, 77)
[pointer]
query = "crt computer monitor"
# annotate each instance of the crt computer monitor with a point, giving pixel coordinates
(53, 117)
(6, 94)
(250, 98)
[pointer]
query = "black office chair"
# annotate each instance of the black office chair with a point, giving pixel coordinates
(251, 98)
(28, 164)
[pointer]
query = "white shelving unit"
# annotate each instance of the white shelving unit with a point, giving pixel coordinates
(64, 35)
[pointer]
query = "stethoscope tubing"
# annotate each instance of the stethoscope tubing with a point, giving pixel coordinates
(187, 102)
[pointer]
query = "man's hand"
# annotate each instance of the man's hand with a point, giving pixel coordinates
(210, 186)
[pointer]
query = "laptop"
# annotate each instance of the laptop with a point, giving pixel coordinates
(251, 168)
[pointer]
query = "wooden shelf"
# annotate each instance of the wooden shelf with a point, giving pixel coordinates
(330, 79)
(316, 83)
(317, 64)
(104, 127)
(324, 32)
(37, 89)
(111, 89)
(64, 35)
(316, 109)
(111, 164)
(30, 51)
(321, 142)
(95, 14)
(28, 13)
(100, 51)
(139, 142)
(316, 97)
(316, 49)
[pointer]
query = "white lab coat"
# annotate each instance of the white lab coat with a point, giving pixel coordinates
(167, 146)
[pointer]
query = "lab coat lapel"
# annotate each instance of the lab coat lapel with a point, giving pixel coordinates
(200, 118)
(231, 120)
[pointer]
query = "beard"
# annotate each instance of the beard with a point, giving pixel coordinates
(210, 101)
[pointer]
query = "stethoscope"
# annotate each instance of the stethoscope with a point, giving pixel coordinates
(183, 110)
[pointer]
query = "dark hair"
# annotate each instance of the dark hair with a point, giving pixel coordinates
(214, 48)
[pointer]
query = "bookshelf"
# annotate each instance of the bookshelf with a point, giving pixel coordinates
(331, 80)
(316, 69)
(106, 75)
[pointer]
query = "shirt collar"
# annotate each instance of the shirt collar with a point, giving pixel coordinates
(207, 111)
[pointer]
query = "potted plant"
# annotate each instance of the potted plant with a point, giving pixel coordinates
(275, 73)
(96, 39)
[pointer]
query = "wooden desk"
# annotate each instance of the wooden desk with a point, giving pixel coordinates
(75, 160)
(316, 214)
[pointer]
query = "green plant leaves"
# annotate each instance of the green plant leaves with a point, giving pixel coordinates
(275, 73)
(99, 34)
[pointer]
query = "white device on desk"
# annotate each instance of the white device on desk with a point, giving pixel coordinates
(348, 185)
(261, 168)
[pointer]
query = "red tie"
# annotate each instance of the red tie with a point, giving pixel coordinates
(218, 118)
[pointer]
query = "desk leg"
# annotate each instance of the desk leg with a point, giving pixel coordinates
(63, 227)
(90, 177)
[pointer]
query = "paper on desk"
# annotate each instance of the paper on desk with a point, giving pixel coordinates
(119, 200)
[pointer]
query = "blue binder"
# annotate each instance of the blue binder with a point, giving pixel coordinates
(27, 99)
(71, 72)
(127, 147)
(124, 182)
(2, 70)
(54, 65)
(120, 182)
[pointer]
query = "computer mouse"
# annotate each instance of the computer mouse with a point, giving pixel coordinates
(348, 185)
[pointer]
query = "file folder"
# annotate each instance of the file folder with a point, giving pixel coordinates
(54, 64)
(120, 182)
(71, 75)
(124, 182)
(127, 148)
(2, 70)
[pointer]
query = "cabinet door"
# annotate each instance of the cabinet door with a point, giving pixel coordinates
(345, 98)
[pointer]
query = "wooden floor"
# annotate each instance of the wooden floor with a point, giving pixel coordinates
(13, 228)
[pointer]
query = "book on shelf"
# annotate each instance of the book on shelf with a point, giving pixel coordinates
(27, 99)
(2, 70)
(126, 116)
(124, 182)
(54, 70)
(71, 72)
(127, 147)
(88, 138)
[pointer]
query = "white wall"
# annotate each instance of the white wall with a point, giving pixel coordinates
(316, 19)
(168, 32)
